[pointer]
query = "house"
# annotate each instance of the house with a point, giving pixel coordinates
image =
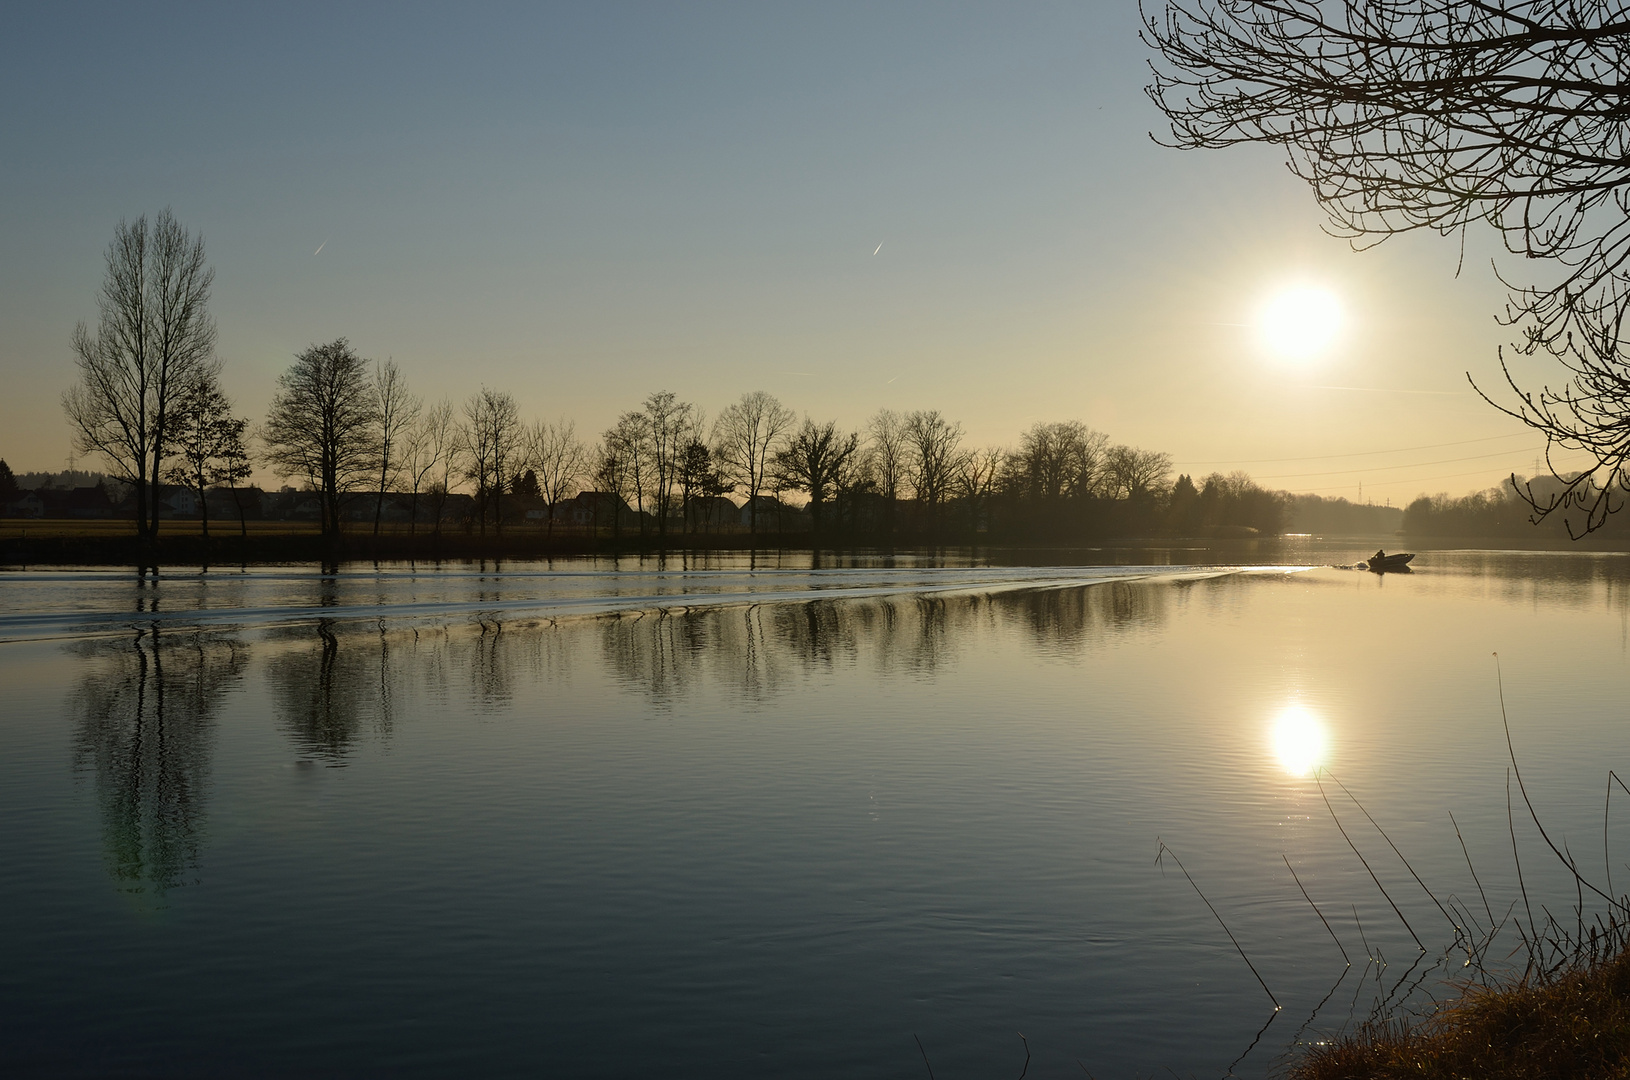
(26, 505)
(590, 508)
(774, 515)
(707, 512)
(178, 502)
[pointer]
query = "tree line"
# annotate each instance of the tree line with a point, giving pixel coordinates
(149, 401)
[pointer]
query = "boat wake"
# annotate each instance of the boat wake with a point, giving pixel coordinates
(35, 606)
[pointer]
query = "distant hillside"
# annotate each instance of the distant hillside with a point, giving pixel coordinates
(67, 479)
(1338, 517)
(1500, 513)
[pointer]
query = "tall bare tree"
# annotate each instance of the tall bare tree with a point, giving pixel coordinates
(398, 413)
(627, 459)
(322, 425)
(558, 456)
(1130, 473)
(1057, 461)
(932, 446)
(668, 423)
(494, 451)
(153, 336)
(746, 437)
(975, 479)
(888, 454)
(1437, 114)
(614, 468)
(814, 461)
(428, 452)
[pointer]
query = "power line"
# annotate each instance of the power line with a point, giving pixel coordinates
(1411, 480)
(1384, 468)
(1356, 453)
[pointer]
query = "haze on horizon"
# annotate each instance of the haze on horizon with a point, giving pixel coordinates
(582, 205)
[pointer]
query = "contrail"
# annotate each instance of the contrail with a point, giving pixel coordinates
(320, 246)
(879, 248)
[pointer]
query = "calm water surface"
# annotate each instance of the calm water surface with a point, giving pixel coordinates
(768, 822)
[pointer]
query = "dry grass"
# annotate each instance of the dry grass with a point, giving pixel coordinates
(1574, 1025)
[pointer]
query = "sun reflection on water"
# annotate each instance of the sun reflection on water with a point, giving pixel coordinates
(1300, 741)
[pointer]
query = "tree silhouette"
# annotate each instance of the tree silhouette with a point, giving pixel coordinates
(321, 424)
(8, 483)
(153, 339)
(814, 461)
(1436, 114)
(747, 436)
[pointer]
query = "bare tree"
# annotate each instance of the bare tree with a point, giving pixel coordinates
(1130, 473)
(429, 450)
(398, 413)
(976, 475)
(746, 437)
(1436, 114)
(1057, 461)
(886, 449)
(494, 451)
(614, 462)
(321, 425)
(814, 462)
(558, 455)
(932, 445)
(668, 422)
(153, 337)
(627, 447)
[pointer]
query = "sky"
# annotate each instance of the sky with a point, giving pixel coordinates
(936, 206)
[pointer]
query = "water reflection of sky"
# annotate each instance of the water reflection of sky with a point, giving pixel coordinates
(770, 835)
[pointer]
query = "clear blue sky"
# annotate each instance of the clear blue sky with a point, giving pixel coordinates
(582, 204)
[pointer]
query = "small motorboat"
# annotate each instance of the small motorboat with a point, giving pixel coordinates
(1382, 563)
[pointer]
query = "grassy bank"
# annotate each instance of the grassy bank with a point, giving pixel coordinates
(1570, 1026)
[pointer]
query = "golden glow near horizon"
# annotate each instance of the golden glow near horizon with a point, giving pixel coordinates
(1299, 741)
(1300, 323)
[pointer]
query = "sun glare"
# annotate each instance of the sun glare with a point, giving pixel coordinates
(1300, 323)
(1299, 741)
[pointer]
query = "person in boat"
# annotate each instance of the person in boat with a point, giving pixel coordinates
(1379, 555)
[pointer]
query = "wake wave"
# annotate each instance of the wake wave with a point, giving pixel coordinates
(55, 605)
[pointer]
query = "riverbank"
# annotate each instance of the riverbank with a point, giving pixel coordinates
(1573, 1025)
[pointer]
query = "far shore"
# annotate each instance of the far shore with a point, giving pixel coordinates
(36, 542)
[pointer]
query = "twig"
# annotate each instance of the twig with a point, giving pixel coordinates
(1511, 824)
(1163, 851)
(1315, 908)
(1365, 861)
(924, 1053)
(1394, 848)
(1026, 1055)
(1521, 787)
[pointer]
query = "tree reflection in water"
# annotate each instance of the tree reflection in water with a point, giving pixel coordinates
(323, 689)
(758, 651)
(147, 710)
(147, 706)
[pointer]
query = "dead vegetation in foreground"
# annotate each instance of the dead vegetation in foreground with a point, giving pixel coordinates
(1570, 1026)
(1566, 1016)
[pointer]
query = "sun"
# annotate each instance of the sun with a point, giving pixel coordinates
(1300, 323)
